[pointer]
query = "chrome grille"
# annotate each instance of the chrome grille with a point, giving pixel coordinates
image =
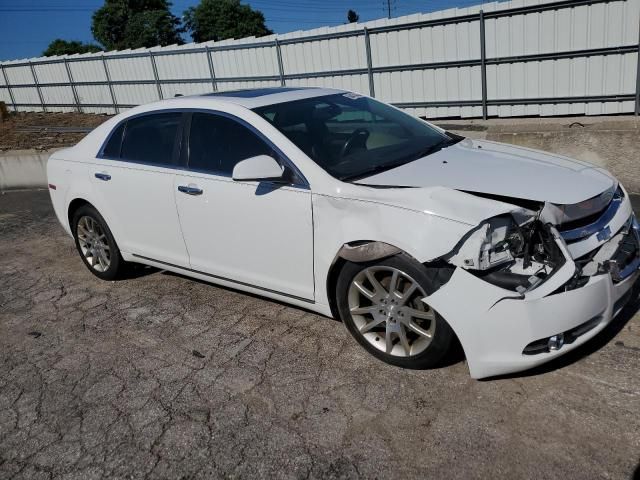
(587, 226)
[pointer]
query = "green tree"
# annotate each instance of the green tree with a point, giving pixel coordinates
(352, 16)
(121, 24)
(66, 47)
(221, 19)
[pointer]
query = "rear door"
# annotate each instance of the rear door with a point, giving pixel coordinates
(254, 233)
(134, 178)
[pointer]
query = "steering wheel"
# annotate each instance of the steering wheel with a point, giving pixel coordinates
(358, 139)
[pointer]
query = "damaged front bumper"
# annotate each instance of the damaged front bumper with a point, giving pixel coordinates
(502, 331)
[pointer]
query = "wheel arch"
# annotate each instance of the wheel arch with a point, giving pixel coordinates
(74, 205)
(369, 250)
(355, 251)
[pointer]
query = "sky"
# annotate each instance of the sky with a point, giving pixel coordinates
(27, 26)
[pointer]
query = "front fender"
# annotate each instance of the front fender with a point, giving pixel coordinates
(339, 221)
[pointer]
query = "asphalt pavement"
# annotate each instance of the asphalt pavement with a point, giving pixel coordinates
(161, 376)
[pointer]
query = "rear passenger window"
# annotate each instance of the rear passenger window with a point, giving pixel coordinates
(151, 138)
(217, 143)
(112, 148)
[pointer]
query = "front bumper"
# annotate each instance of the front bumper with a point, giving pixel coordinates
(495, 325)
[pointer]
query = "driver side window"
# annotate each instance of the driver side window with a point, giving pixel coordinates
(217, 143)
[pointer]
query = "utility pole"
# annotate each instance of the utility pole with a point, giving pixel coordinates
(388, 2)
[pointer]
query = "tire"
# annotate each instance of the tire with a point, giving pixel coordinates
(96, 245)
(377, 323)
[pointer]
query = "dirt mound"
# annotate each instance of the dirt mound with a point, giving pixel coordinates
(44, 131)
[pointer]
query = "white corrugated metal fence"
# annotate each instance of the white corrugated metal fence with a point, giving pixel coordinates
(516, 58)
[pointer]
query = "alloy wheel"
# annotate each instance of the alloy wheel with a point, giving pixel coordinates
(387, 309)
(93, 244)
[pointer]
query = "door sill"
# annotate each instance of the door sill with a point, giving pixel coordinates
(218, 277)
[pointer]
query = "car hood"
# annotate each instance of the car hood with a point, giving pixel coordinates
(499, 169)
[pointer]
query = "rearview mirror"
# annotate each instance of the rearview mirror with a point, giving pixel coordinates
(262, 167)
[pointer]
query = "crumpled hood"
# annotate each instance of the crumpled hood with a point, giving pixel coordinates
(500, 169)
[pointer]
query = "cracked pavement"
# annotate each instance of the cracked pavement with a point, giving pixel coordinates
(161, 376)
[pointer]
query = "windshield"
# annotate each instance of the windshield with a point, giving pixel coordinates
(351, 136)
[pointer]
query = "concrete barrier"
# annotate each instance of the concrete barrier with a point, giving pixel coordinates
(23, 169)
(609, 142)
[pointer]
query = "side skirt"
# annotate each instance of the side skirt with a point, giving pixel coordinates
(227, 282)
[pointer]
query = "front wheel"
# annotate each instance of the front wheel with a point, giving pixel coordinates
(381, 305)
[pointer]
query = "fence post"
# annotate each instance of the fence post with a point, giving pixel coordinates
(367, 46)
(35, 80)
(212, 71)
(280, 65)
(638, 81)
(113, 95)
(483, 66)
(6, 82)
(155, 74)
(73, 86)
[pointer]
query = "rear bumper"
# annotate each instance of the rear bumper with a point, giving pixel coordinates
(495, 325)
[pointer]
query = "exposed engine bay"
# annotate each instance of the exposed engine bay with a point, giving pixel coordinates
(513, 256)
(519, 251)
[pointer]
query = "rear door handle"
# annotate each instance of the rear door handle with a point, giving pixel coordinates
(189, 190)
(103, 176)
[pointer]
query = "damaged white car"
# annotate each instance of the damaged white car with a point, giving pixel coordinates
(347, 206)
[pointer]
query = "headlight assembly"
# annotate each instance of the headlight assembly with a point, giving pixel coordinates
(512, 256)
(495, 242)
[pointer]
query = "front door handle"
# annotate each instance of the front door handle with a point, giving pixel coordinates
(189, 190)
(103, 176)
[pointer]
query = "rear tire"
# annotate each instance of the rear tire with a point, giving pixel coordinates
(96, 245)
(380, 304)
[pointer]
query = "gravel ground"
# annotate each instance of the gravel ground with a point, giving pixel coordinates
(159, 376)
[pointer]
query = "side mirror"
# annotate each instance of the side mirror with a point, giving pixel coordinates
(262, 167)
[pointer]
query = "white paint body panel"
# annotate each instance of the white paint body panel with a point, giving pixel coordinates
(282, 242)
(252, 233)
(260, 167)
(499, 169)
(140, 200)
(494, 329)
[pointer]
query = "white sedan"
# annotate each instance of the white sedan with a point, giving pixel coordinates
(332, 201)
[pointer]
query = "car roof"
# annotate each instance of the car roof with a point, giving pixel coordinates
(258, 97)
(249, 98)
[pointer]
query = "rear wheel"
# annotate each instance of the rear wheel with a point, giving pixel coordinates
(381, 305)
(96, 245)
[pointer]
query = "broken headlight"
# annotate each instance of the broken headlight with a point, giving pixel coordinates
(495, 242)
(513, 256)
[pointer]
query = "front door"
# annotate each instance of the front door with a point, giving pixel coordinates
(258, 234)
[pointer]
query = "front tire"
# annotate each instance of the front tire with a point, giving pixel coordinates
(96, 245)
(380, 304)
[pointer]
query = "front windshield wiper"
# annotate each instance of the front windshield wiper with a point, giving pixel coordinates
(373, 170)
(391, 165)
(435, 148)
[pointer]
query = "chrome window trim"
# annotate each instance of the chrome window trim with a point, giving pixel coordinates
(303, 185)
(101, 154)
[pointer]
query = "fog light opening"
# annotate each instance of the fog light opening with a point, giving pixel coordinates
(556, 342)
